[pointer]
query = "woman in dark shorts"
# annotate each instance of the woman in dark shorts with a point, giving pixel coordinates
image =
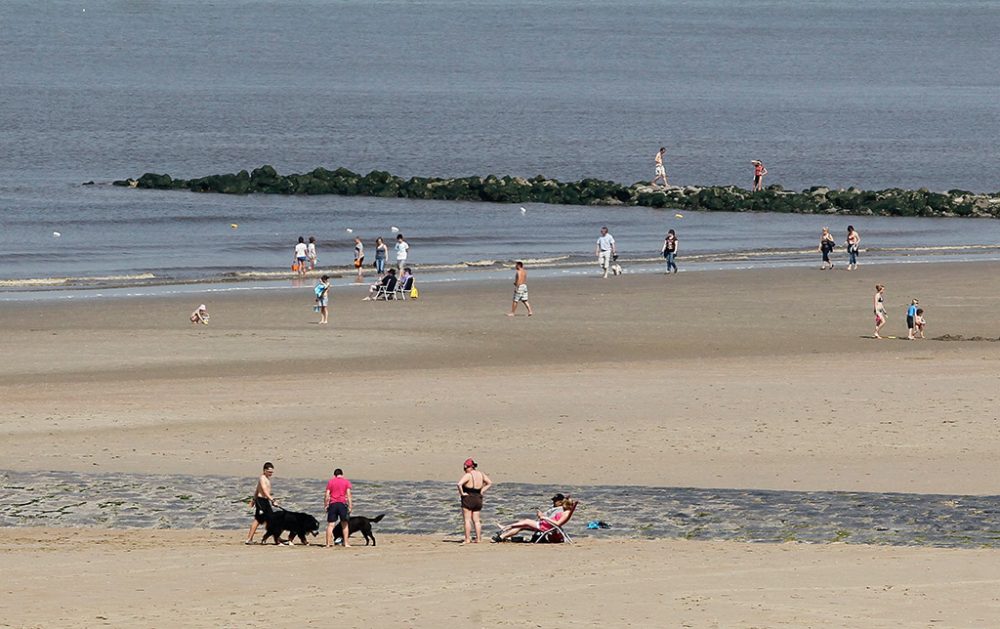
(471, 488)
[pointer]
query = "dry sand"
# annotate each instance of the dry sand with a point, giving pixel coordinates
(201, 579)
(731, 379)
(749, 379)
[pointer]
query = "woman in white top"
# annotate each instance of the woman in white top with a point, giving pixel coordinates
(311, 252)
(402, 252)
(301, 256)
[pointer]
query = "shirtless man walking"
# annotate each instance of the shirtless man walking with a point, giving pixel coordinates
(261, 501)
(661, 173)
(520, 289)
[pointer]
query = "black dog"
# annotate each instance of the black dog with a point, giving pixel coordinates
(297, 525)
(359, 523)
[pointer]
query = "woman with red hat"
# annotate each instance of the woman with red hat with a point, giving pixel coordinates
(471, 488)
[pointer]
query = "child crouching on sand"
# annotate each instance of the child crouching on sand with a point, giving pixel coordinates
(919, 322)
(200, 315)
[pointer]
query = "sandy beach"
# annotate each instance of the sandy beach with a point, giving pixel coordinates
(736, 379)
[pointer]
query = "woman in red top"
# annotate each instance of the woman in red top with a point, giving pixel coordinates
(758, 175)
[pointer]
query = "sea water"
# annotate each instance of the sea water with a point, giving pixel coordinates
(871, 94)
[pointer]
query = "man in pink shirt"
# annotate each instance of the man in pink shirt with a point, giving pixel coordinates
(339, 505)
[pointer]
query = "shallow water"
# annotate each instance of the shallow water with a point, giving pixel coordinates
(873, 94)
(114, 500)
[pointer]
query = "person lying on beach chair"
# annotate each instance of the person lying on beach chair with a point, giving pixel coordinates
(385, 288)
(548, 528)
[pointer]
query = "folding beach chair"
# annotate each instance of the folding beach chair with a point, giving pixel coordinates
(386, 291)
(403, 288)
(556, 534)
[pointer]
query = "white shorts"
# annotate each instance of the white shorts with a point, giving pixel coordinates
(604, 259)
(660, 171)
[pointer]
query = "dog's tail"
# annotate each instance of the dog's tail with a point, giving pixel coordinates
(378, 518)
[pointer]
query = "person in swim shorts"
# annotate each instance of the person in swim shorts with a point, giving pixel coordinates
(661, 173)
(471, 488)
(261, 501)
(520, 289)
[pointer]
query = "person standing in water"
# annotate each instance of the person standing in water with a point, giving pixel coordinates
(301, 256)
(605, 249)
(826, 246)
(311, 252)
(853, 240)
(661, 172)
(381, 253)
(471, 488)
(879, 304)
(758, 175)
(402, 253)
(520, 289)
(670, 250)
(359, 258)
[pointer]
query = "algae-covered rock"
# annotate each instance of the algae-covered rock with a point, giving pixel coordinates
(589, 191)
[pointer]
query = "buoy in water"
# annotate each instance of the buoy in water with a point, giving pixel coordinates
(56, 235)
(394, 229)
(349, 230)
(678, 216)
(233, 225)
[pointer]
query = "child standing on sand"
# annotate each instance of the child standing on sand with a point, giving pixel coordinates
(200, 315)
(920, 322)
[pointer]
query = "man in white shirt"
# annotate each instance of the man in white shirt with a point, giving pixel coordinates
(605, 250)
(402, 251)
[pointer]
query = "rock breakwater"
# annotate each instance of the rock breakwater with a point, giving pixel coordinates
(493, 189)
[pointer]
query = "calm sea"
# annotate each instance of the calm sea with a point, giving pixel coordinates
(867, 93)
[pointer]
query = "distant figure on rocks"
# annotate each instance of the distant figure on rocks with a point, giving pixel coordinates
(262, 500)
(758, 175)
(826, 246)
(880, 314)
(605, 249)
(311, 252)
(661, 172)
(359, 258)
(520, 289)
(402, 252)
(200, 315)
(381, 253)
(670, 250)
(301, 256)
(853, 240)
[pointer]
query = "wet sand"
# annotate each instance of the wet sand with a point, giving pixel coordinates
(88, 578)
(742, 379)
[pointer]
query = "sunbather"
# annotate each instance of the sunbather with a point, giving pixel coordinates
(562, 507)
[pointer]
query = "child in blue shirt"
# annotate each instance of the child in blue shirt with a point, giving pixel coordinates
(911, 320)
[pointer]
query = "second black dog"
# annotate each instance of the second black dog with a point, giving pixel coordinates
(297, 525)
(359, 523)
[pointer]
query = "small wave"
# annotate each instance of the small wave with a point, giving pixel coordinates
(65, 281)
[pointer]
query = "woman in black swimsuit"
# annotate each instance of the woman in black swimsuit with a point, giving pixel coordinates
(471, 488)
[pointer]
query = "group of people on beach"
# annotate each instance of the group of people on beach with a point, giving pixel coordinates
(915, 321)
(338, 502)
(660, 171)
(305, 257)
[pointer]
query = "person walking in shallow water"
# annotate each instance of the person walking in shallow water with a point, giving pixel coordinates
(520, 289)
(670, 250)
(605, 249)
(661, 172)
(471, 488)
(758, 175)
